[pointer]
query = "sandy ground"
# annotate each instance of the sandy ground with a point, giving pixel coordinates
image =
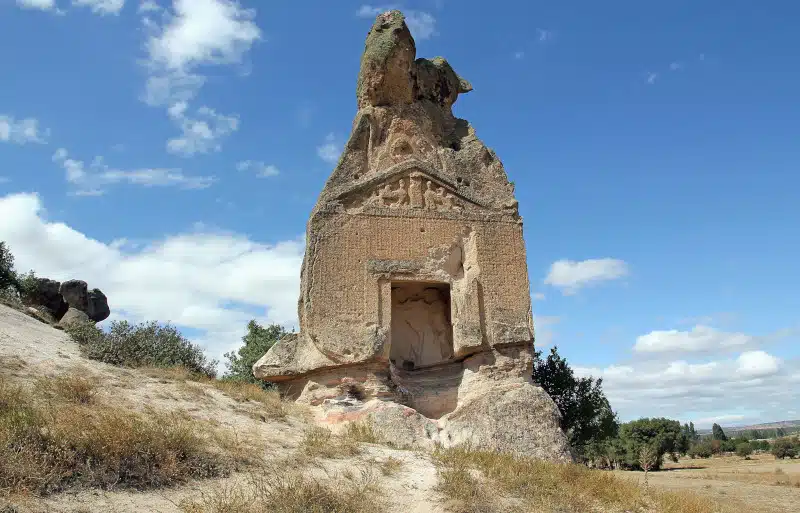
(760, 485)
(30, 349)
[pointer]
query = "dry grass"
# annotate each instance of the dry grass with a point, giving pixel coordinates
(467, 478)
(390, 466)
(52, 438)
(319, 442)
(274, 490)
(75, 387)
(361, 432)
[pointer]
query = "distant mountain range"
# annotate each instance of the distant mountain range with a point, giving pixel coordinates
(785, 424)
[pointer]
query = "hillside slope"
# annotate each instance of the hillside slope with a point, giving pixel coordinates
(31, 351)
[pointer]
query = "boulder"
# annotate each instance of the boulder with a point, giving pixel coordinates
(73, 316)
(46, 293)
(76, 294)
(98, 309)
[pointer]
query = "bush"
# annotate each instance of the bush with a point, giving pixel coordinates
(783, 448)
(744, 449)
(256, 343)
(701, 450)
(141, 345)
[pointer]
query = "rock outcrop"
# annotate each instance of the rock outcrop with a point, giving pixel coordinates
(415, 304)
(59, 299)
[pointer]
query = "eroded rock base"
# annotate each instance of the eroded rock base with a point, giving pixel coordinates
(486, 401)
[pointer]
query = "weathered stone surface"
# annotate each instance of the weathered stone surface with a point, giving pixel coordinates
(76, 294)
(97, 306)
(415, 304)
(73, 316)
(46, 293)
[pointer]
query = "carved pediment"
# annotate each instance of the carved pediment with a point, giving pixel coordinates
(413, 189)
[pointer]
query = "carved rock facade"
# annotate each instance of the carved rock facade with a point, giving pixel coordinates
(415, 305)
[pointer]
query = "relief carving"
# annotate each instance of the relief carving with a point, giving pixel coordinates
(411, 193)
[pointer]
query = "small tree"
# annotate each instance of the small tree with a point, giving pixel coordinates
(586, 415)
(257, 342)
(744, 449)
(783, 448)
(648, 457)
(717, 433)
(8, 277)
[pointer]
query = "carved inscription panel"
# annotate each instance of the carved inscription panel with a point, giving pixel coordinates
(414, 191)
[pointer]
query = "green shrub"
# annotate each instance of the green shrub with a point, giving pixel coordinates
(783, 448)
(701, 450)
(256, 343)
(142, 345)
(744, 449)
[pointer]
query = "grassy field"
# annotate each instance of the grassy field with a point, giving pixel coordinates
(761, 484)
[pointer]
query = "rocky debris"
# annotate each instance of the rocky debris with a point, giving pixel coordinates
(73, 316)
(56, 299)
(415, 306)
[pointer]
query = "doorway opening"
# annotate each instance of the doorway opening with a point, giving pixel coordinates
(422, 328)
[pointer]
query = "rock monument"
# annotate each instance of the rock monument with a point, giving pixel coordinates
(415, 306)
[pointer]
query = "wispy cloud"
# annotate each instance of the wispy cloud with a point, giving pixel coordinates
(260, 169)
(91, 180)
(545, 34)
(651, 77)
(329, 150)
(21, 131)
(675, 66)
(519, 55)
(569, 275)
(201, 132)
(101, 7)
(421, 24)
(193, 34)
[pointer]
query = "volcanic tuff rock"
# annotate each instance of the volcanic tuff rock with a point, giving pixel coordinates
(414, 304)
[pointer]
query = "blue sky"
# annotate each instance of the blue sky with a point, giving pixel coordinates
(170, 152)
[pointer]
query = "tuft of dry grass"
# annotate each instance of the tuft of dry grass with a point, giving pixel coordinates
(545, 486)
(50, 442)
(319, 442)
(76, 387)
(361, 432)
(390, 466)
(274, 490)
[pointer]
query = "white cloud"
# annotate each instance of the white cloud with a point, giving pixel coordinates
(519, 55)
(757, 363)
(202, 32)
(191, 35)
(21, 131)
(91, 180)
(42, 5)
(538, 296)
(330, 150)
(675, 66)
(261, 169)
(651, 77)
(4, 179)
(755, 386)
(699, 339)
(544, 34)
(101, 7)
(421, 24)
(202, 132)
(569, 275)
(204, 280)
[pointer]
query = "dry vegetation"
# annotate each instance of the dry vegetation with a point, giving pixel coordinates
(488, 482)
(57, 435)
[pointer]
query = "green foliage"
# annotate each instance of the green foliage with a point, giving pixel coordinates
(690, 433)
(586, 415)
(717, 433)
(8, 277)
(760, 445)
(142, 345)
(744, 449)
(663, 435)
(701, 450)
(257, 342)
(785, 448)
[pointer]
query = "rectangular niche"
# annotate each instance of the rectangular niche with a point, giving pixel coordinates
(422, 328)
